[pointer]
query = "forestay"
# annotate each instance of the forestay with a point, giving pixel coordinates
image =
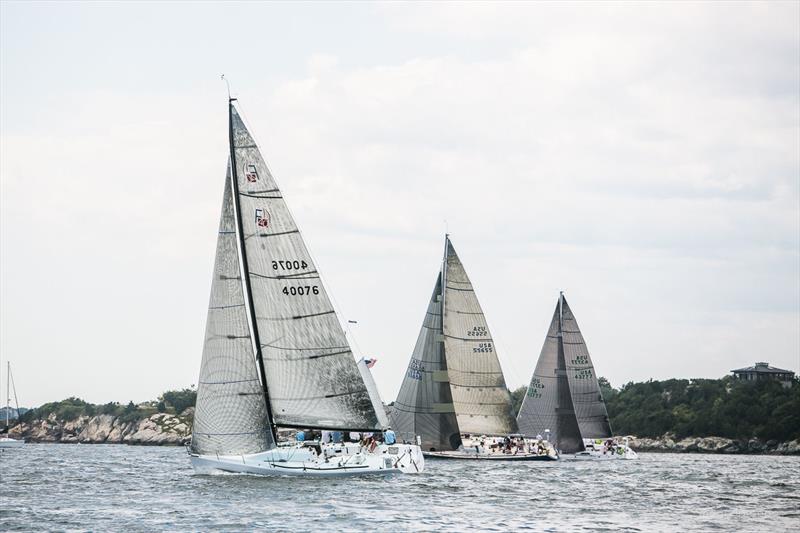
(230, 414)
(590, 409)
(312, 379)
(481, 399)
(424, 405)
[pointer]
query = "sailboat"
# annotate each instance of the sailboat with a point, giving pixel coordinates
(275, 354)
(7, 441)
(564, 401)
(454, 396)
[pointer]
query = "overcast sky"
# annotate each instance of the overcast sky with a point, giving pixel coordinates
(644, 158)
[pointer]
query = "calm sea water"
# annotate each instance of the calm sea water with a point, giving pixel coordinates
(127, 488)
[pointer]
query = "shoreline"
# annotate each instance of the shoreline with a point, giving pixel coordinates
(166, 429)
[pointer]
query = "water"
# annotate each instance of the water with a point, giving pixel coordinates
(128, 488)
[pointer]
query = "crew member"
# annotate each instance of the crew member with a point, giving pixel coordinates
(389, 436)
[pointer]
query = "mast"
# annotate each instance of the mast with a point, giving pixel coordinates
(246, 272)
(444, 280)
(8, 397)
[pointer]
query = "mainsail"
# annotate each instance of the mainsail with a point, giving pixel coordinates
(480, 396)
(424, 405)
(454, 383)
(230, 412)
(311, 376)
(564, 395)
(590, 409)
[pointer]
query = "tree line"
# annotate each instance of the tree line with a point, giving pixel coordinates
(173, 401)
(723, 407)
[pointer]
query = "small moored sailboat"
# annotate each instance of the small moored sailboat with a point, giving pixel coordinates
(7, 441)
(454, 395)
(564, 398)
(275, 354)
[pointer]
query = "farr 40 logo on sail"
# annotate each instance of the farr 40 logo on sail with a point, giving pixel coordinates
(262, 218)
(251, 174)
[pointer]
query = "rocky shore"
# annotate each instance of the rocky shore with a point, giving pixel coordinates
(163, 429)
(668, 443)
(159, 429)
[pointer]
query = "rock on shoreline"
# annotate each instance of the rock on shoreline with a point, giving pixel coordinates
(668, 443)
(159, 429)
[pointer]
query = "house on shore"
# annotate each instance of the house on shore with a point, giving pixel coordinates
(762, 371)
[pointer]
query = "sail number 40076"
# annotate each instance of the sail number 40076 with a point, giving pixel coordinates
(301, 291)
(289, 265)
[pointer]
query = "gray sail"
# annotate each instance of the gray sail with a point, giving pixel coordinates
(547, 405)
(424, 405)
(230, 413)
(480, 396)
(590, 409)
(312, 378)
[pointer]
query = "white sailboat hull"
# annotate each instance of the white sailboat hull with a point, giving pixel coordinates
(11, 443)
(329, 460)
(597, 455)
(491, 449)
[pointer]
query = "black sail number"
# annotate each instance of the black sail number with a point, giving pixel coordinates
(289, 264)
(302, 290)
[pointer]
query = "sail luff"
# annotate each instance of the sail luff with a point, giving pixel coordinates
(245, 273)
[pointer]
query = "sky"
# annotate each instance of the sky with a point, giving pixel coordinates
(642, 157)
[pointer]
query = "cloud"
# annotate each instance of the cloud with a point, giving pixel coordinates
(643, 158)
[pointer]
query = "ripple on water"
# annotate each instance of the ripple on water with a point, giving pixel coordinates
(114, 488)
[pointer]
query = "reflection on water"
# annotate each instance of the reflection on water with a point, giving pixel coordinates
(115, 487)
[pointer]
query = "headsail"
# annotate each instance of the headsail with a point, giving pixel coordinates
(424, 405)
(230, 414)
(480, 396)
(372, 390)
(548, 404)
(311, 375)
(590, 409)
